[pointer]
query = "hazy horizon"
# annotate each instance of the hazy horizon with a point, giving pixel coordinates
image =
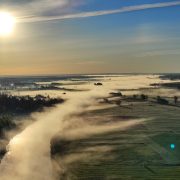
(82, 74)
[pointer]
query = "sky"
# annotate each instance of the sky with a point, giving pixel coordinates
(91, 36)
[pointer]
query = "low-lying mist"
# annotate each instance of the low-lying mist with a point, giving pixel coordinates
(29, 153)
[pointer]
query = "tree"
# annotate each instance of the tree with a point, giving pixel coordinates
(175, 99)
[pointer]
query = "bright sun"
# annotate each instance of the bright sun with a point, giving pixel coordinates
(7, 23)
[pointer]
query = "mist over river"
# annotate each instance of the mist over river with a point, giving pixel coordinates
(88, 112)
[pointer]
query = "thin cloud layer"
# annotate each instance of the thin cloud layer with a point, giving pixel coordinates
(35, 18)
(37, 8)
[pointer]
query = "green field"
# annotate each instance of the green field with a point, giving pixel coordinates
(139, 152)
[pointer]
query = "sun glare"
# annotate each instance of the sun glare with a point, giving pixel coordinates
(7, 23)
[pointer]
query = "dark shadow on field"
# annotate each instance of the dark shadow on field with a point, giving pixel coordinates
(139, 152)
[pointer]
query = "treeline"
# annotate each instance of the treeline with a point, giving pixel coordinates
(10, 105)
(175, 76)
(173, 101)
(25, 104)
(175, 85)
(6, 123)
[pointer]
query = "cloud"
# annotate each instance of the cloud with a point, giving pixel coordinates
(30, 8)
(29, 153)
(97, 13)
(159, 53)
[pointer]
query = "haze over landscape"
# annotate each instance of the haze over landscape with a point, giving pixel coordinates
(89, 89)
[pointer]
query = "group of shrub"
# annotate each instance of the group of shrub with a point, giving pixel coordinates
(24, 104)
(6, 123)
(159, 99)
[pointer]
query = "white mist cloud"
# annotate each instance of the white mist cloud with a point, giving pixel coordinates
(100, 13)
(32, 8)
(29, 154)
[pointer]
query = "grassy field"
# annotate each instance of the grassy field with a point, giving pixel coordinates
(140, 152)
